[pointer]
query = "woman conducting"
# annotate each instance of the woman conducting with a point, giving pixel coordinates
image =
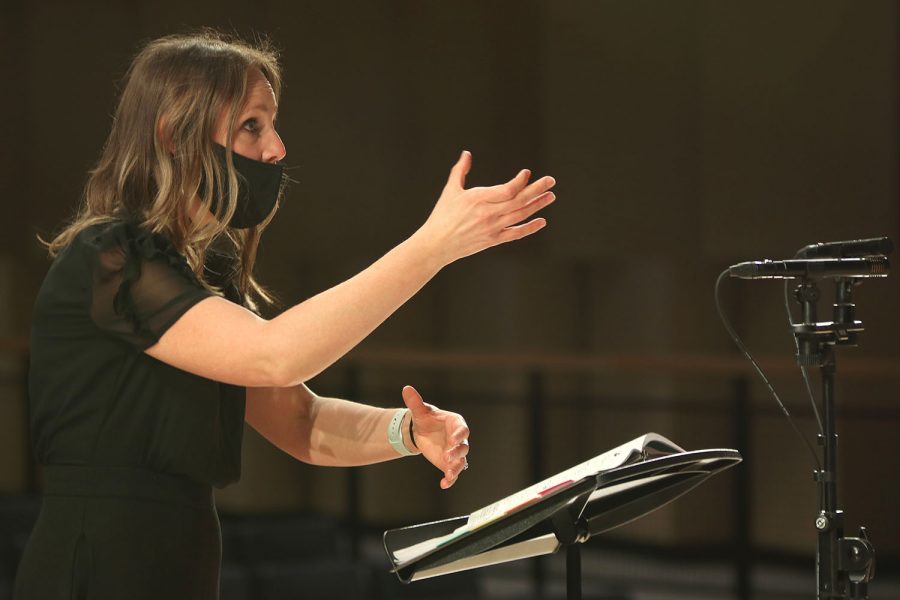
(147, 350)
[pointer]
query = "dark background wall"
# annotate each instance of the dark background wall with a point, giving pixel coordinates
(685, 136)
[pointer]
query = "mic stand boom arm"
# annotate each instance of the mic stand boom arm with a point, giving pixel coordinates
(844, 565)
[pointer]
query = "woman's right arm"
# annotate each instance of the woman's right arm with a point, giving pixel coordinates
(225, 342)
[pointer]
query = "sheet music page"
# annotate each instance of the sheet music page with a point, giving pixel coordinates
(546, 544)
(627, 452)
(410, 552)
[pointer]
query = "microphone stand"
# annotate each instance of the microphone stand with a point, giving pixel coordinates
(844, 565)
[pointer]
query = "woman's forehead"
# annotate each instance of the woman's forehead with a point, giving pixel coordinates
(260, 95)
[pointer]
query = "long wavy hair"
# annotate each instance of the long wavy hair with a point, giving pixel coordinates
(160, 149)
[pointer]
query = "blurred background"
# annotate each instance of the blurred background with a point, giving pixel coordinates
(685, 136)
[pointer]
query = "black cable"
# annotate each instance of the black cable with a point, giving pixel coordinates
(803, 370)
(743, 348)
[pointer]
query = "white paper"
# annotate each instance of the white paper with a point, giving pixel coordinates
(546, 544)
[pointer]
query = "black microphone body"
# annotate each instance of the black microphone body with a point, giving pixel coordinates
(848, 248)
(814, 268)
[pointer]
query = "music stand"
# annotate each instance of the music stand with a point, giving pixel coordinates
(566, 516)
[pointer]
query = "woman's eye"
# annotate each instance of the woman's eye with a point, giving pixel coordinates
(251, 125)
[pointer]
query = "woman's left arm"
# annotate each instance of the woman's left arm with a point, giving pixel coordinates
(335, 432)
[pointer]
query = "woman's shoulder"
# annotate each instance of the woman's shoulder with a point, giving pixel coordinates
(124, 234)
(119, 243)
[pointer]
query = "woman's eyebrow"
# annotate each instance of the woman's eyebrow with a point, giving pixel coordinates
(262, 106)
(265, 108)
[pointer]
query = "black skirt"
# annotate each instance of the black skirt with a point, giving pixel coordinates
(111, 533)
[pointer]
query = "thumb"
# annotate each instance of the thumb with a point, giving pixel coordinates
(457, 178)
(413, 401)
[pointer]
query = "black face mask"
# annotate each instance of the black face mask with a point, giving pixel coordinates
(259, 184)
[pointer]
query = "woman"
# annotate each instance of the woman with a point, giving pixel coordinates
(148, 353)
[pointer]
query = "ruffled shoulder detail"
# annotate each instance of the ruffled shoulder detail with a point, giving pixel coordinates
(122, 250)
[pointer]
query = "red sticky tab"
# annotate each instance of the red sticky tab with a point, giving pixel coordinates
(560, 485)
(563, 484)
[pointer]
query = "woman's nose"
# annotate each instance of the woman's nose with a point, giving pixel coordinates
(274, 150)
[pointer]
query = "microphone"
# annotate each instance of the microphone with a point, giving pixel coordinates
(815, 268)
(848, 248)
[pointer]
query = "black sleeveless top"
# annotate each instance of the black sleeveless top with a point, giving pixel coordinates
(96, 398)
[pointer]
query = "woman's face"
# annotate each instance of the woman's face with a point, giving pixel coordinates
(255, 136)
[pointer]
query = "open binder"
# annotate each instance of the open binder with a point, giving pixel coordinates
(597, 495)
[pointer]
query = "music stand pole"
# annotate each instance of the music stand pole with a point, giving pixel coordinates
(572, 530)
(573, 571)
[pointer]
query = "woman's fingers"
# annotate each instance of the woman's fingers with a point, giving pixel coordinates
(509, 190)
(455, 457)
(466, 221)
(457, 178)
(457, 462)
(517, 232)
(414, 402)
(518, 189)
(457, 431)
(539, 187)
(457, 454)
(535, 190)
(452, 473)
(523, 212)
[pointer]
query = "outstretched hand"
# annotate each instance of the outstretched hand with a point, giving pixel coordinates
(441, 436)
(466, 221)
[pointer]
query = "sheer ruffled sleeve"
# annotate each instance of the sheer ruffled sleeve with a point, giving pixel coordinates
(141, 284)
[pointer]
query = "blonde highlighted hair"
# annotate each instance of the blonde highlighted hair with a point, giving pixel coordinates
(160, 148)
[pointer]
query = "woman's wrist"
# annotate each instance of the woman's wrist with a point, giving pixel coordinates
(429, 249)
(407, 429)
(398, 432)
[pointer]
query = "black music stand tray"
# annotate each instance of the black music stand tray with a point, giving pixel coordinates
(566, 516)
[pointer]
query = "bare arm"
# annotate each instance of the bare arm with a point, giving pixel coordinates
(222, 341)
(335, 432)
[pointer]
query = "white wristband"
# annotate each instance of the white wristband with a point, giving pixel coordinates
(395, 433)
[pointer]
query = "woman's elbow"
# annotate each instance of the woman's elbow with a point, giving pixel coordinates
(285, 367)
(286, 363)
